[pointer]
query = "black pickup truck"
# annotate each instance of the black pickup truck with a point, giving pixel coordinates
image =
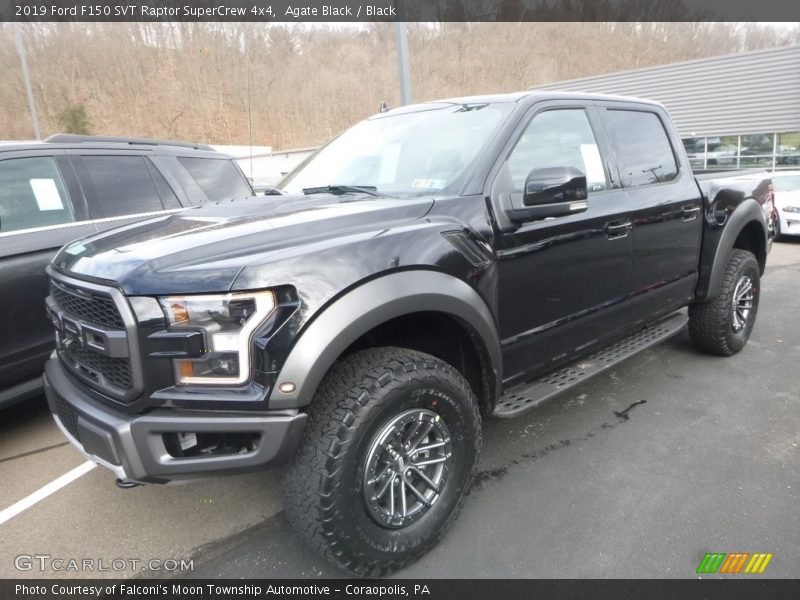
(434, 265)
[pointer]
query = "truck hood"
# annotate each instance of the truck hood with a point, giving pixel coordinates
(204, 249)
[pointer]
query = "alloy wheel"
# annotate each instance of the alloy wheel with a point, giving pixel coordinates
(406, 468)
(742, 303)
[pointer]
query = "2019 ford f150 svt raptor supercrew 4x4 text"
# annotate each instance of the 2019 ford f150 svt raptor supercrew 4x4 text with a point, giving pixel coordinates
(432, 266)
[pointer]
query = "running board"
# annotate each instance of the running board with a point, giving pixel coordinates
(526, 396)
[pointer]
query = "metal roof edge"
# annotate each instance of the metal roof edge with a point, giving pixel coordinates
(694, 61)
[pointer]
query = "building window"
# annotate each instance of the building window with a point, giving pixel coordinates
(787, 150)
(763, 150)
(696, 151)
(756, 150)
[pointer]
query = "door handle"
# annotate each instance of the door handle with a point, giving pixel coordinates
(689, 212)
(618, 229)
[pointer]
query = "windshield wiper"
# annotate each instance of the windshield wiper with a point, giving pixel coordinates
(344, 189)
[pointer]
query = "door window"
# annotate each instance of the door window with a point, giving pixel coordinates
(642, 147)
(558, 138)
(122, 186)
(32, 194)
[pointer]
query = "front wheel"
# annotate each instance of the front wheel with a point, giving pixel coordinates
(722, 326)
(390, 450)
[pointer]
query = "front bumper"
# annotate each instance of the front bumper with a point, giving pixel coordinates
(132, 446)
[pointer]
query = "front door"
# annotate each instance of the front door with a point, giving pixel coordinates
(40, 210)
(562, 281)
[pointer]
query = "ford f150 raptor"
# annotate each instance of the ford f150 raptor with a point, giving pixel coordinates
(434, 265)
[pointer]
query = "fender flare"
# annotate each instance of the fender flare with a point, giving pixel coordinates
(747, 212)
(369, 305)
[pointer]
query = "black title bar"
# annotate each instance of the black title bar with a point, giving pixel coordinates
(305, 11)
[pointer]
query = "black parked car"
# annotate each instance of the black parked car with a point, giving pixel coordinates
(71, 186)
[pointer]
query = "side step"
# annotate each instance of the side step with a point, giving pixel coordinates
(531, 394)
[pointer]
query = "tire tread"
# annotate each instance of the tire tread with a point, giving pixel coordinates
(311, 482)
(708, 321)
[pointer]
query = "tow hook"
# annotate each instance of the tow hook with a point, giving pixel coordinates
(126, 485)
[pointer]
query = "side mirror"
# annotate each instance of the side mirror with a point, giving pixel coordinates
(554, 185)
(548, 193)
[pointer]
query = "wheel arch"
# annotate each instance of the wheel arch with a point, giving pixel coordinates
(419, 297)
(745, 229)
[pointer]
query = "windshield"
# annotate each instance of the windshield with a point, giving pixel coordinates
(786, 183)
(407, 154)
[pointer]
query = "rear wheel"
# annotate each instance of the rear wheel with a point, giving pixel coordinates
(390, 450)
(722, 326)
(778, 235)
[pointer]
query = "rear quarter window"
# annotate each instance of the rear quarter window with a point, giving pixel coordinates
(219, 179)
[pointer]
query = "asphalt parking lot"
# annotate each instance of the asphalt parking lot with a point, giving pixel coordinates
(636, 473)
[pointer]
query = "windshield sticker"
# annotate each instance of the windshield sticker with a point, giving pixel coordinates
(430, 184)
(75, 249)
(593, 163)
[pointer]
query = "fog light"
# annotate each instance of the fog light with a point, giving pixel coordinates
(209, 444)
(287, 388)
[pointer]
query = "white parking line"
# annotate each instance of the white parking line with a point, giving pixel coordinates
(42, 493)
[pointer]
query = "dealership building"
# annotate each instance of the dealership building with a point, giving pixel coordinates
(734, 111)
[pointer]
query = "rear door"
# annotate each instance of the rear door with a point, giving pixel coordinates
(121, 187)
(666, 207)
(41, 209)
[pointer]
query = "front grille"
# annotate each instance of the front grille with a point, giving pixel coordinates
(66, 414)
(92, 308)
(89, 319)
(116, 371)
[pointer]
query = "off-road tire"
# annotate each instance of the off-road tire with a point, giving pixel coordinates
(324, 499)
(711, 326)
(778, 236)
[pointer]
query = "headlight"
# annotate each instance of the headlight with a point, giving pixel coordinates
(791, 209)
(227, 322)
